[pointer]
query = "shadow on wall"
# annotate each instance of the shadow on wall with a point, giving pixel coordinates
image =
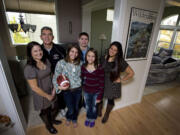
(21, 52)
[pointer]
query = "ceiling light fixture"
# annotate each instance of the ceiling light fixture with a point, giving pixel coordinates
(21, 26)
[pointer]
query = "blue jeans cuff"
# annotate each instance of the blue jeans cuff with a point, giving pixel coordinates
(74, 121)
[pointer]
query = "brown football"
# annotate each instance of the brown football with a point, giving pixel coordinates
(62, 81)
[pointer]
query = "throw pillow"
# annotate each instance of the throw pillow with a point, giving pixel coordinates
(163, 54)
(169, 51)
(156, 60)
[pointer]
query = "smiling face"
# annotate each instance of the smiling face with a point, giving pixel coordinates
(73, 54)
(113, 50)
(83, 41)
(90, 57)
(37, 53)
(47, 37)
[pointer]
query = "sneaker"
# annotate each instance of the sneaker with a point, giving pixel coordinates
(92, 124)
(86, 123)
(60, 115)
(52, 130)
(63, 113)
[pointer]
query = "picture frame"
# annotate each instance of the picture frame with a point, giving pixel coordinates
(140, 31)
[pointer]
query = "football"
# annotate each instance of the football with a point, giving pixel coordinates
(63, 81)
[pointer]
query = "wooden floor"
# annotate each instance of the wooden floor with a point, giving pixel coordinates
(157, 114)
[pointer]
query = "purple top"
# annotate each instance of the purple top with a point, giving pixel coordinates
(93, 82)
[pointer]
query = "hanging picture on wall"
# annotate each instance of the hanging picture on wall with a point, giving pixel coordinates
(139, 35)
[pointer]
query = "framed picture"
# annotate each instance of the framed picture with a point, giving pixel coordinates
(139, 34)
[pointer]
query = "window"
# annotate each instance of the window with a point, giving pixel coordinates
(169, 35)
(110, 15)
(39, 20)
(170, 20)
(176, 52)
(164, 39)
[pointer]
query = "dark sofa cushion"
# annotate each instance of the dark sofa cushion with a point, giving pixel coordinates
(171, 65)
(156, 60)
(168, 60)
(156, 66)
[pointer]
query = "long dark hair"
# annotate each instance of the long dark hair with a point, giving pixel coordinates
(78, 59)
(30, 60)
(116, 68)
(96, 58)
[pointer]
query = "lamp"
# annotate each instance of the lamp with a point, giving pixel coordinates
(102, 37)
(25, 27)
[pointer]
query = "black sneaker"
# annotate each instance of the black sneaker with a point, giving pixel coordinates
(52, 130)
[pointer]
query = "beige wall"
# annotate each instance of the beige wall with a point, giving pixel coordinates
(133, 91)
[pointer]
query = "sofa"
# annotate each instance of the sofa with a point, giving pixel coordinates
(163, 67)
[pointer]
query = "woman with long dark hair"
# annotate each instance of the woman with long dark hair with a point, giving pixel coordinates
(114, 64)
(38, 74)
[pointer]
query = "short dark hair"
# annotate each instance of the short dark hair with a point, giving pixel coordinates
(84, 34)
(30, 60)
(96, 57)
(78, 59)
(46, 28)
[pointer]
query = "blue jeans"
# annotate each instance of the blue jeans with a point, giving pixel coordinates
(72, 99)
(90, 102)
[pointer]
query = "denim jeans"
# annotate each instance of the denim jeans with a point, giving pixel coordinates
(72, 99)
(90, 103)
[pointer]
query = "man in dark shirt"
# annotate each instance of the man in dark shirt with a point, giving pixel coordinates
(54, 53)
(83, 41)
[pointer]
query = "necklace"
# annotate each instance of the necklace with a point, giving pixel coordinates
(73, 69)
(72, 66)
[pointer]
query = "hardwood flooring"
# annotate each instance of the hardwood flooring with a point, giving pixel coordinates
(157, 114)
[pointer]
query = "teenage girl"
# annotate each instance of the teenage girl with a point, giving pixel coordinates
(93, 83)
(114, 64)
(71, 68)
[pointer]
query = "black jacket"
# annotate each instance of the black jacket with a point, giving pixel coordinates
(56, 53)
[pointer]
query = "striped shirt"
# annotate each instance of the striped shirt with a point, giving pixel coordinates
(93, 82)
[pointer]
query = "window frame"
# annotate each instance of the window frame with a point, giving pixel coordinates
(175, 30)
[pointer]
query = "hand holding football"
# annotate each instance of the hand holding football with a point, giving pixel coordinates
(63, 81)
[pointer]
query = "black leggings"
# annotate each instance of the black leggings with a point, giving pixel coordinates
(111, 102)
(50, 112)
